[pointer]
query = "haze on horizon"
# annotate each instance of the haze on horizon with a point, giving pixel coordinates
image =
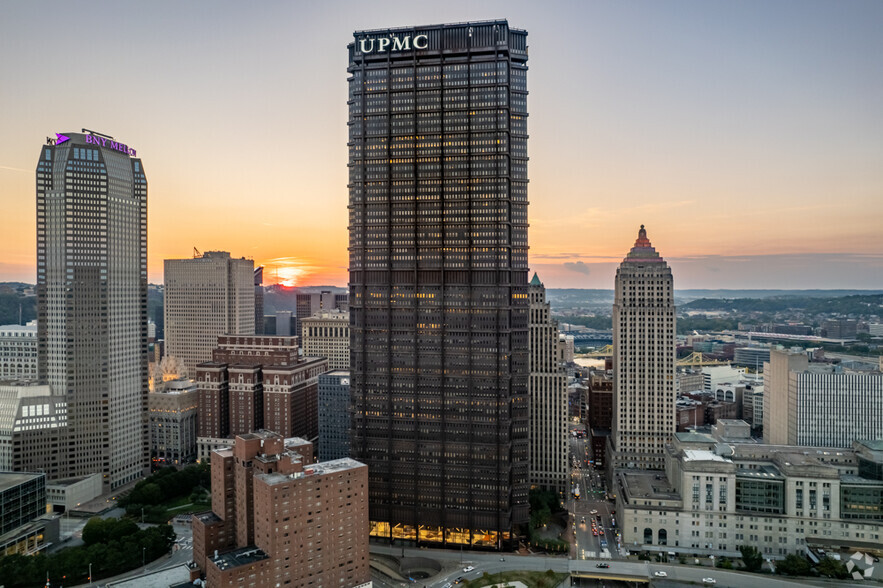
(747, 137)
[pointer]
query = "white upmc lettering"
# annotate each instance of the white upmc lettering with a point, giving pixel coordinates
(398, 44)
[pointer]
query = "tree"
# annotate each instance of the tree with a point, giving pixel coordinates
(793, 565)
(832, 568)
(751, 557)
(95, 531)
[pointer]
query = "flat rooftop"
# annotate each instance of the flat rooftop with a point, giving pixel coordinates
(239, 557)
(650, 484)
(850, 479)
(70, 481)
(693, 437)
(208, 517)
(703, 455)
(872, 444)
(316, 469)
(765, 472)
(12, 479)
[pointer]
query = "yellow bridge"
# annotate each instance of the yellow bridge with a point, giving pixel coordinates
(697, 358)
(606, 351)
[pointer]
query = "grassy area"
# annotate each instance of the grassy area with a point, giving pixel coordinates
(547, 579)
(162, 513)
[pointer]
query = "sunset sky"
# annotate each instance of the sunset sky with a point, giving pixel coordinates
(747, 136)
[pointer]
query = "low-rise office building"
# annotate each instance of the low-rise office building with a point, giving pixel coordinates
(172, 415)
(18, 352)
(33, 429)
(720, 491)
(327, 334)
(25, 527)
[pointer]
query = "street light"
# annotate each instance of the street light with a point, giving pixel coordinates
(143, 558)
(90, 573)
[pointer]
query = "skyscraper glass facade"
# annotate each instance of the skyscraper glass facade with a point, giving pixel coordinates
(92, 301)
(438, 279)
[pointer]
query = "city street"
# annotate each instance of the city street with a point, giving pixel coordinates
(591, 515)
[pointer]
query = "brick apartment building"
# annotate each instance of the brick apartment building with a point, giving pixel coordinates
(278, 519)
(258, 382)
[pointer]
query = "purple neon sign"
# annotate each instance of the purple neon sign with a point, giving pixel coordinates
(110, 144)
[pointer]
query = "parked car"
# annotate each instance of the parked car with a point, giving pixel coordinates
(602, 566)
(660, 574)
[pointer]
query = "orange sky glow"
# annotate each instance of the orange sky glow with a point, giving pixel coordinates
(747, 137)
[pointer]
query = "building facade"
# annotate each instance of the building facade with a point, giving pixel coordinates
(644, 355)
(258, 382)
(206, 296)
(172, 413)
(278, 519)
(819, 405)
(18, 352)
(334, 415)
(549, 463)
(308, 304)
(327, 334)
(92, 301)
(714, 497)
(34, 435)
(438, 279)
(25, 527)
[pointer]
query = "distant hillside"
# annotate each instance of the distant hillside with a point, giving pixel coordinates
(866, 304)
(592, 296)
(15, 307)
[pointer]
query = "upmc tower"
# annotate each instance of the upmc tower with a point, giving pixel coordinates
(438, 279)
(92, 302)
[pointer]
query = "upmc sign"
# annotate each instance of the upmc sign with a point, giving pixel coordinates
(382, 44)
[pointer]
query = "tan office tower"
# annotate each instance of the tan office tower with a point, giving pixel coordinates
(206, 296)
(92, 302)
(548, 396)
(327, 334)
(819, 404)
(644, 355)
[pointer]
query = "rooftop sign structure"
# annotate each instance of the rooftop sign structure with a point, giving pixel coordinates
(95, 139)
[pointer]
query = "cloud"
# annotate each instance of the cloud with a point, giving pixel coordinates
(18, 169)
(579, 267)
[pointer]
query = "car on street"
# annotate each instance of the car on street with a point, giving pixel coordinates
(709, 581)
(660, 574)
(448, 585)
(459, 580)
(602, 566)
(594, 512)
(468, 569)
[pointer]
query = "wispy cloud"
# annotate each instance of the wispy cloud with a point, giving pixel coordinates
(17, 169)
